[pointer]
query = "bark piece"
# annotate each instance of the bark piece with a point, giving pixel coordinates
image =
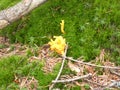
(15, 12)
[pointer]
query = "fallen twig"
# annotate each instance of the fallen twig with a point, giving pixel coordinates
(72, 79)
(113, 84)
(114, 72)
(50, 88)
(109, 67)
(23, 82)
(94, 82)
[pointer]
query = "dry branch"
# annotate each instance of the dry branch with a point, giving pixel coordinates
(72, 79)
(113, 84)
(94, 82)
(15, 12)
(81, 62)
(50, 88)
(114, 72)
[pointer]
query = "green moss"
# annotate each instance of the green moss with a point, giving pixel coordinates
(21, 67)
(8, 67)
(6, 4)
(89, 25)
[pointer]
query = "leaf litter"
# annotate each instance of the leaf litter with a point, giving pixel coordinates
(30, 83)
(48, 56)
(102, 78)
(7, 49)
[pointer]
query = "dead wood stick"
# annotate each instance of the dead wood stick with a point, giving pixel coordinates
(109, 67)
(15, 12)
(50, 88)
(72, 79)
(62, 64)
(94, 82)
(113, 84)
(23, 82)
(114, 72)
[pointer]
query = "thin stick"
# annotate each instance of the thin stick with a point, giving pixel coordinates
(93, 82)
(114, 72)
(50, 88)
(62, 63)
(23, 83)
(91, 64)
(72, 79)
(113, 84)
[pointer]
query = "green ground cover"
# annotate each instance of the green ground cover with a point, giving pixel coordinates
(6, 4)
(90, 26)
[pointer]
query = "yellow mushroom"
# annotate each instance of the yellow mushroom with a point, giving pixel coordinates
(62, 26)
(58, 45)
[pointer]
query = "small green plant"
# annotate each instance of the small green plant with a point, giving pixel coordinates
(87, 87)
(2, 46)
(11, 48)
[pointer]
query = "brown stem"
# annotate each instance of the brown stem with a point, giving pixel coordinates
(72, 79)
(109, 67)
(50, 88)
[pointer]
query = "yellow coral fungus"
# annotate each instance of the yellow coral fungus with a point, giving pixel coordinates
(62, 26)
(58, 45)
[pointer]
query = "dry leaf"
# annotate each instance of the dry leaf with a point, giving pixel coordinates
(50, 63)
(30, 83)
(73, 67)
(102, 55)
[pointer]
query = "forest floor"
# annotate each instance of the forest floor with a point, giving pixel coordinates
(98, 75)
(92, 31)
